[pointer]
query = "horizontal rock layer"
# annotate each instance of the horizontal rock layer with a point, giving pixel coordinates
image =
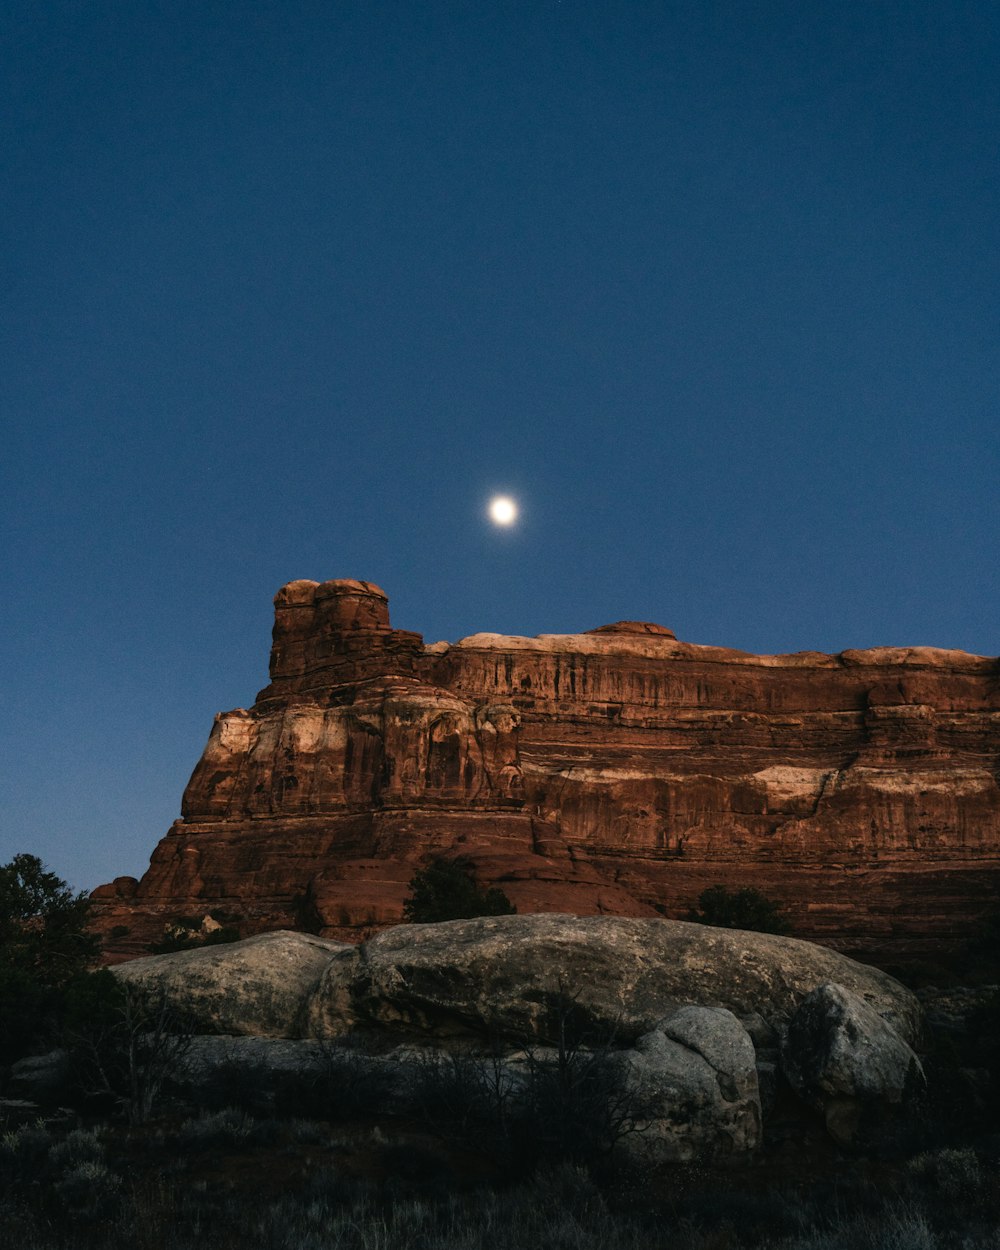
(617, 771)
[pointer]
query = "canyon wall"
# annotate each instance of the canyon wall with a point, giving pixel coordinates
(617, 771)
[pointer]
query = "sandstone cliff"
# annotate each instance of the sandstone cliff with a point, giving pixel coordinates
(617, 771)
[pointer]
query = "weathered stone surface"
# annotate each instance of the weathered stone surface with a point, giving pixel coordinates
(39, 1078)
(687, 1106)
(259, 986)
(695, 1079)
(511, 976)
(618, 771)
(840, 1055)
(255, 1068)
(657, 998)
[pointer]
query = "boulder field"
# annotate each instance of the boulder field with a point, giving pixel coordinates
(613, 772)
(701, 1023)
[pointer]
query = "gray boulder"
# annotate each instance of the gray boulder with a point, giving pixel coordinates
(507, 976)
(663, 999)
(40, 1078)
(257, 987)
(842, 1057)
(511, 976)
(320, 1078)
(210, 1057)
(695, 1083)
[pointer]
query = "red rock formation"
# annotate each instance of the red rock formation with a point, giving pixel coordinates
(616, 771)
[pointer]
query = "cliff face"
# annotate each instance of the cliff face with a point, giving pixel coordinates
(617, 771)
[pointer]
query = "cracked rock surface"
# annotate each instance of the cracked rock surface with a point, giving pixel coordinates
(842, 1057)
(695, 1076)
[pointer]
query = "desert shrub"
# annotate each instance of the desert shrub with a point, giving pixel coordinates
(77, 1147)
(24, 1152)
(90, 1191)
(570, 1103)
(186, 933)
(126, 1045)
(445, 891)
(343, 1085)
(231, 1126)
(575, 1106)
(984, 1028)
(955, 1173)
(561, 1208)
(238, 1082)
(305, 1131)
(897, 1228)
(44, 948)
(984, 948)
(71, 1168)
(463, 1096)
(739, 909)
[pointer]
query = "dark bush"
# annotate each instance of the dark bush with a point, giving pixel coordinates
(445, 891)
(464, 1096)
(126, 1045)
(44, 948)
(344, 1085)
(577, 1102)
(571, 1102)
(739, 909)
(984, 948)
(186, 934)
(241, 1084)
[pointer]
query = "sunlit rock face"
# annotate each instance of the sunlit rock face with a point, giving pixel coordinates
(617, 771)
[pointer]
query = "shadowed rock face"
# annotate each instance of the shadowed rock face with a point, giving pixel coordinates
(618, 771)
(696, 1077)
(841, 1055)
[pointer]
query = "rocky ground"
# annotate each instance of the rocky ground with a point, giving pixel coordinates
(515, 1082)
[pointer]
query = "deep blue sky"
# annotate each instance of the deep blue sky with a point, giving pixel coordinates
(289, 288)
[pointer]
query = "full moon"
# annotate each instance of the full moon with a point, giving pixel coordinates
(503, 511)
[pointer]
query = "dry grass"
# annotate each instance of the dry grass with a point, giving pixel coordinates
(235, 1183)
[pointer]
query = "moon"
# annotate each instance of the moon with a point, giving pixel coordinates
(503, 510)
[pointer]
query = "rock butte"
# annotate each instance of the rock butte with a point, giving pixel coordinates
(617, 771)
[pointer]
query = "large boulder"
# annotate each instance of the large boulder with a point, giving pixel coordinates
(511, 976)
(39, 1078)
(693, 1016)
(257, 987)
(842, 1057)
(506, 977)
(694, 1082)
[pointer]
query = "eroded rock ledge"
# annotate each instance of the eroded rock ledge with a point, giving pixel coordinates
(617, 771)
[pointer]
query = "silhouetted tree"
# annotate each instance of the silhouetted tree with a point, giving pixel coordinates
(444, 891)
(739, 909)
(44, 947)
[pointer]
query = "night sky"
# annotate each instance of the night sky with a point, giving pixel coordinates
(290, 289)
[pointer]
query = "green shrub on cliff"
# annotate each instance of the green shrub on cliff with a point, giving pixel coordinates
(739, 909)
(444, 891)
